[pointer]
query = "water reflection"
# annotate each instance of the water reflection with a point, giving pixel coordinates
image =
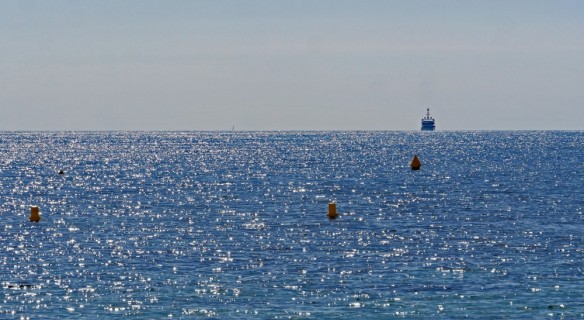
(234, 225)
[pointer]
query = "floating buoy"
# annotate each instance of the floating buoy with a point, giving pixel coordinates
(416, 164)
(61, 172)
(34, 214)
(332, 210)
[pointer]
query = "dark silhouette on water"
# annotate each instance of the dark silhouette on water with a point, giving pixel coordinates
(428, 123)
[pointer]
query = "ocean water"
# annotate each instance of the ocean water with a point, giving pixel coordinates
(233, 225)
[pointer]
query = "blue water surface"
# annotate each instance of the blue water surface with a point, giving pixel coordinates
(232, 225)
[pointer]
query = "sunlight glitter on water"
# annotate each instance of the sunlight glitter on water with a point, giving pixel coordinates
(234, 225)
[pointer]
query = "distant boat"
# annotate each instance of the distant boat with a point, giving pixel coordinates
(428, 123)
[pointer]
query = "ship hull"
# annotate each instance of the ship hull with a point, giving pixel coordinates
(428, 126)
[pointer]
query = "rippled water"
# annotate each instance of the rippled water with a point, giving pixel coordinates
(234, 225)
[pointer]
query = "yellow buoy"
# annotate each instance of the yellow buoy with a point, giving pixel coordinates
(34, 214)
(332, 210)
(416, 164)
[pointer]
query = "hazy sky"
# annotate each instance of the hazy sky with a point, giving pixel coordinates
(291, 64)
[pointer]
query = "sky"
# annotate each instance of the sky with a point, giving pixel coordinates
(291, 64)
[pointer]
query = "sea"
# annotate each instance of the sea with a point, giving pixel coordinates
(234, 225)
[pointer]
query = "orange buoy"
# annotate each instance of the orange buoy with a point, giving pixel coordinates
(332, 210)
(416, 164)
(34, 214)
